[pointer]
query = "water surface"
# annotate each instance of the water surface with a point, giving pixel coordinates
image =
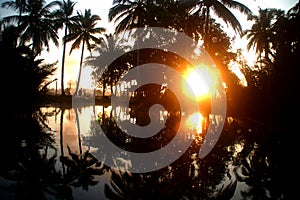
(54, 154)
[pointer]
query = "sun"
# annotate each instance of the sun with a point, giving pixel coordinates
(196, 82)
(202, 81)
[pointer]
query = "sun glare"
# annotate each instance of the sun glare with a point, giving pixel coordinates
(194, 122)
(200, 82)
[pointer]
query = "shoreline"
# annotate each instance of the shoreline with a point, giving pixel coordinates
(67, 101)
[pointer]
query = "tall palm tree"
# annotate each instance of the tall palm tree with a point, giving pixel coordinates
(65, 12)
(37, 24)
(83, 31)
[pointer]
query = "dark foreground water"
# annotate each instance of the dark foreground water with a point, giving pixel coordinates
(54, 153)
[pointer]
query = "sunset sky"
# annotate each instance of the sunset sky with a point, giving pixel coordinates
(101, 8)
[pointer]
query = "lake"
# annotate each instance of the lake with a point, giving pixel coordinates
(59, 153)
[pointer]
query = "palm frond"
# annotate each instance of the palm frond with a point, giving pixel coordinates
(10, 19)
(117, 10)
(10, 4)
(76, 44)
(237, 5)
(227, 16)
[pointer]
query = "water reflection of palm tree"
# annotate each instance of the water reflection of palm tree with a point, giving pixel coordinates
(253, 168)
(125, 185)
(82, 168)
(188, 177)
(78, 129)
(36, 176)
(30, 158)
(61, 137)
(174, 182)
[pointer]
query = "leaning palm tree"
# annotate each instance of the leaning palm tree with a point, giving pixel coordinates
(83, 31)
(37, 24)
(65, 12)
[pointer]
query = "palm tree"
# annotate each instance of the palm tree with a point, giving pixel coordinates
(135, 13)
(37, 24)
(65, 19)
(131, 14)
(221, 10)
(261, 34)
(84, 31)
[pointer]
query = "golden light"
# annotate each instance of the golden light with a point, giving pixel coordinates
(194, 122)
(201, 82)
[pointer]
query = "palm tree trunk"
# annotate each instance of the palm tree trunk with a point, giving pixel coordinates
(80, 68)
(103, 91)
(20, 15)
(206, 30)
(63, 64)
(103, 113)
(267, 50)
(104, 88)
(111, 86)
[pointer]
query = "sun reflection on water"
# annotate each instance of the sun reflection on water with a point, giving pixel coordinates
(193, 123)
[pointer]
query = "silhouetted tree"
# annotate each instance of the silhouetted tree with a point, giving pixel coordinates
(37, 24)
(261, 35)
(65, 18)
(83, 31)
(29, 74)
